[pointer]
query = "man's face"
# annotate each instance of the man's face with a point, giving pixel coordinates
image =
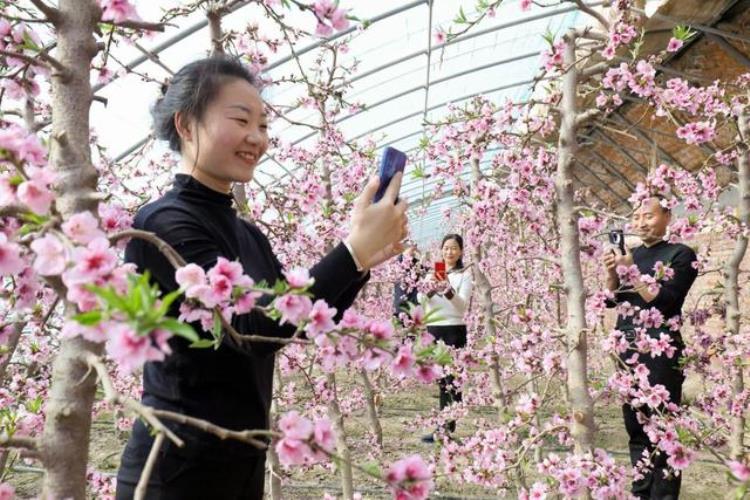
(650, 221)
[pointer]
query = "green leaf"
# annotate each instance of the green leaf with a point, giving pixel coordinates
(167, 301)
(682, 32)
(443, 356)
(29, 43)
(216, 331)
(89, 318)
(372, 468)
(203, 343)
(179, 328)
(110, 297)
(461, 18)
(34, 405)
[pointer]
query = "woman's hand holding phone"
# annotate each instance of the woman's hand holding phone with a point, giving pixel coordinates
(377, 229)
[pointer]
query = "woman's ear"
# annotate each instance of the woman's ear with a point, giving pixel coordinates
(183, 127)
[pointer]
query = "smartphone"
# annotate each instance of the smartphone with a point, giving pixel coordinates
(392, 162)
(440, 270)
(617, 238)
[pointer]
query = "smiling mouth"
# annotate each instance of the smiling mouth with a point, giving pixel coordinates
(248, 157)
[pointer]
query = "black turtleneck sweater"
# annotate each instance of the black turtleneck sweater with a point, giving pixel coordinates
(230, 386)
(672, 292)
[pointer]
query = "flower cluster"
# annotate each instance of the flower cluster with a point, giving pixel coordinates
(410, 478)
(330, 17)
(304, 442)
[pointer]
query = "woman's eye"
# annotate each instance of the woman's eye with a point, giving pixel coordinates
(264, 126)
(241, 120)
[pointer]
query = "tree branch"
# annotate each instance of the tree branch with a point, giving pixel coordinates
(248, 436)
(588, 10)
(177, 261)
(34, 61)
(51, 13)
(139, 25)
(586, 116)
(596, 69)
(23, 442)
(140, 489)
(12, 210)
(112, 396)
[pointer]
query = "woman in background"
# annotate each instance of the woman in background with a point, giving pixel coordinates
(450, 305)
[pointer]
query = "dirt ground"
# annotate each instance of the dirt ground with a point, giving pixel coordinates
(703, 480)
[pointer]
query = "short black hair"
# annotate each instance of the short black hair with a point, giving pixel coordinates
(460, 241)
(191, 90)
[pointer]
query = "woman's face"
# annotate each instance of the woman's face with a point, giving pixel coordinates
(451, 252)
(230, 139)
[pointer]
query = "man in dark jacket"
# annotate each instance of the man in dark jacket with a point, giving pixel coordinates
(650, 221)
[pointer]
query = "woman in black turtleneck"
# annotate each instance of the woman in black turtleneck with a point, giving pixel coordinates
(213, 115)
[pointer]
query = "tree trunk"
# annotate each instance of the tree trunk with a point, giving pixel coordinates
(65, 440)
(733, 313)
(484, 291)
(372, 409)
(15, 337)
(337, 420)
(274, 466)
(579, 399)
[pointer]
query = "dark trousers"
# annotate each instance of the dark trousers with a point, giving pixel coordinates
(454, 336)
(178, 478)
(664, 371)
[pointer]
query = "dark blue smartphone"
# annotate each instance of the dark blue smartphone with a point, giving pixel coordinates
(392, 162)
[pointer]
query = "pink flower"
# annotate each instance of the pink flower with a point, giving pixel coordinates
(130, 350)
(5, 28)
(7, 492)
(323, 30)
(293, 451)
(114, 217)
(93, 261)
(403, 364)
(245, 302)
(10, 257)
(118, 11)
(351, 319)
(323, 435)
(428, 374)
(72, 328)
(190, 276)
(295, 426)
(339, 20)
(293, 308)
(321, 319)
(680, 457)
(232, 271)
(36, 196)
(380, 330)
(439, 37)
(219, 290)
(82, 228)
(739, 470)
(299, 277)
(410, 478)
(525, 5)
(697, 132)
(674, 44)
(375, 358)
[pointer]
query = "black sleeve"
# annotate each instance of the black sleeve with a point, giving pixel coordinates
(334, 274)
(337, 280)
(673, 291)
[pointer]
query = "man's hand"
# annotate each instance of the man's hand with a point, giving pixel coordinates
(610, 260)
